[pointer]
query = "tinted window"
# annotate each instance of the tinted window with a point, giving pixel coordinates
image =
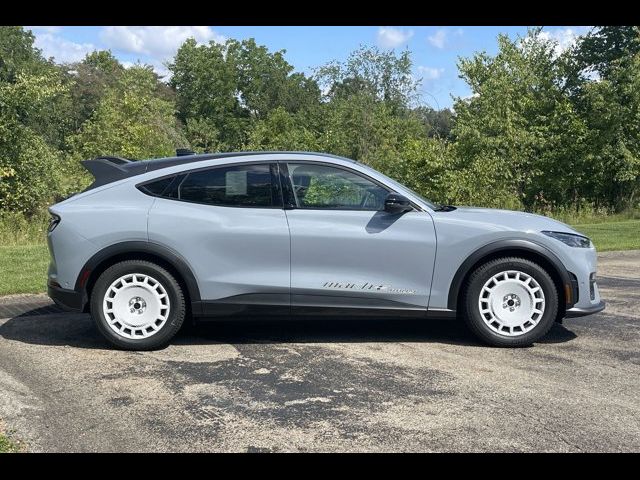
(156, 188)
(320, 186)
(240, 185)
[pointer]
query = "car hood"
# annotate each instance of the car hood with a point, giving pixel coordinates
(497, 219)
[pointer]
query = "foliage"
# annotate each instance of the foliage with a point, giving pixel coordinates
(224, 89)
(548, 130)
(379, 75)
(28, 165)
(131, 121)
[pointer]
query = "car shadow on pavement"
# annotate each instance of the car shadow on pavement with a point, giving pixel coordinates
(78, 330)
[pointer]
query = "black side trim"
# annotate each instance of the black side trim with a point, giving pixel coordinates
(171, 257)
(441, 314)
(244, 304)
(503, 245)
(301, 297)
(69, 299)
(358, 312)
(278, 304)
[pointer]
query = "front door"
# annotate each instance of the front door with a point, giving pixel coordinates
(346, 251)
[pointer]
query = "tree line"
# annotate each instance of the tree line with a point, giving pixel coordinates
(543, 130)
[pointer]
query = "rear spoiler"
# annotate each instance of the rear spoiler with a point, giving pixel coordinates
(106, 170)
(111, 169)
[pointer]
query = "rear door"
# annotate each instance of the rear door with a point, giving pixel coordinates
(346, 251)
(228, 223)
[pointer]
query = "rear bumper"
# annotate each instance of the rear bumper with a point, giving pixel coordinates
(68, 299)
(582, 311)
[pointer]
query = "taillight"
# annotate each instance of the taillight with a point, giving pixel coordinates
(53, 223)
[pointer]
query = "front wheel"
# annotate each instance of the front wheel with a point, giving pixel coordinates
(137, 305)
(510, 302)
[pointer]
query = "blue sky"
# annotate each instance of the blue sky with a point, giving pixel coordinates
(435, 50)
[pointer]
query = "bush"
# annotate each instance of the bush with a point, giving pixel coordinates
(18, 229)
(30, 172)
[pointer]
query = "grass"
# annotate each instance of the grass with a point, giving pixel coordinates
(589, 216)
(7, 445)
(24, 257)
(608, 236)
(23, 269)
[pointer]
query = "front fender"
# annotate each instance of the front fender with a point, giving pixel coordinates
(509, 247)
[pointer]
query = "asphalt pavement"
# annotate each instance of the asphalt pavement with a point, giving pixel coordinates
(311, 386)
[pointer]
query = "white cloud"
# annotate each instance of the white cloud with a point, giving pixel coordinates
(564, 38)
(430, 73)
(438, 39)
(36, 30)
(389, 37)
(160, 42)
(61, 50)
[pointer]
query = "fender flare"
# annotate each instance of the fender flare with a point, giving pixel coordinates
(517, 244)
(132, 247)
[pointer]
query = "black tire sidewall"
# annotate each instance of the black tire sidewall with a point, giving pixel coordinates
(171, 286)
(482, 275)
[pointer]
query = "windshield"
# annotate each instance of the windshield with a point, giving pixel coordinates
(401, 187)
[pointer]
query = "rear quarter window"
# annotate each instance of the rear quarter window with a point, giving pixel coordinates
(156, 188)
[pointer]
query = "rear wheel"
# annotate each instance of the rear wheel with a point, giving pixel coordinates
(137, 305)
(510, 302)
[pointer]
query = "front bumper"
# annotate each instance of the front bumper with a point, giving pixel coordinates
(67, 299)
(582, 311)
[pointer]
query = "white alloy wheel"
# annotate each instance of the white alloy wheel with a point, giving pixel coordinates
(136, 306)
(511, 303)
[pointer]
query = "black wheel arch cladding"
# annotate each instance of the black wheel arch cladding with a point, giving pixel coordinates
(140, 250)
(511, 247)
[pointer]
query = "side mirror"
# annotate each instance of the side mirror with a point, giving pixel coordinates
(397, 203)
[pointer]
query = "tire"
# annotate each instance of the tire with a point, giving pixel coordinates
(137, 305)
(503, 298)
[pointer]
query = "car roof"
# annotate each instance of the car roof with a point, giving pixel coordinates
(158, 163)
(110, 169)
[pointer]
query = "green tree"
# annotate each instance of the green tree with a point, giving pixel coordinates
(131, 121)
(519, 139)
(222, 89)
(282, 130)
(266, 81)
(380, 75)
(611, 108)
(18, 55)
(438, 123)
(89, 80)
(206, 90)
(604, 47)
(30, 170)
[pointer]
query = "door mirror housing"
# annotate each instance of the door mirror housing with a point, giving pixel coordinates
(397, 203)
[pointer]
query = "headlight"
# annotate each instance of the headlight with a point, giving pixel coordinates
(570, 239)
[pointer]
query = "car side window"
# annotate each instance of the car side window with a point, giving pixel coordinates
(332, 188)
(157, 187)
(237, 185)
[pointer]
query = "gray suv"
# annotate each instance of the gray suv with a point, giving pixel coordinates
(153, 242)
